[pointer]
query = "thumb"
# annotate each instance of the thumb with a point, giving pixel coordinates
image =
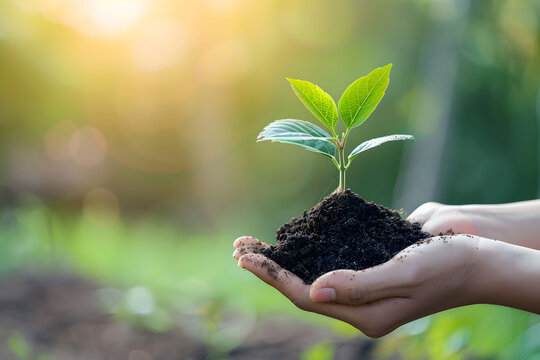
(350, 287)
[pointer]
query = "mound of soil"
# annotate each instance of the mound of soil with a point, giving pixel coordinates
(341, 232)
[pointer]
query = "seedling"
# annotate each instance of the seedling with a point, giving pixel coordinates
(356, 104)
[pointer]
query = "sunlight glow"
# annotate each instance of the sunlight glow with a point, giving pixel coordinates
(113, 17)
(235, 60)
(91, 17)
(158, 45)
(224, 5)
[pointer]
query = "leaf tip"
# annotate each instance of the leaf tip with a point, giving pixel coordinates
(387, 67)
(291, 80)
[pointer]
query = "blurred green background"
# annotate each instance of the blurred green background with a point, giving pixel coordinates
(128, 154)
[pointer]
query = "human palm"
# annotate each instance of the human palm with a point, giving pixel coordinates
(424, 278)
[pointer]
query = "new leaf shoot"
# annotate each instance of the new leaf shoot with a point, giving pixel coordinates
(355, 106)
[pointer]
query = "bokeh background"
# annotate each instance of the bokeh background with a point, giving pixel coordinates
(128, 165)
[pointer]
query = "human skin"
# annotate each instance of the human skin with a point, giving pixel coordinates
(515, 223)
(438, 274)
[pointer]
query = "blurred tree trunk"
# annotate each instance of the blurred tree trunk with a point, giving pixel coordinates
(431, 113)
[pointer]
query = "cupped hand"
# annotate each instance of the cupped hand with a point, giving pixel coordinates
(436, 218)
(437, 274)
(513, 223)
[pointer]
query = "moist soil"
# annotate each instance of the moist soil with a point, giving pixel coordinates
(343, 231)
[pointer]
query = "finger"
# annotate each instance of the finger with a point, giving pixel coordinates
(246, 249)
(291, 286)
(247, 244)
(274, 275)
(423, 213)
(248, 240)
(459, 225)
(350, 287)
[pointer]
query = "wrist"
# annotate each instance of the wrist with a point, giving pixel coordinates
(484, 220)
(515, 223)
(506, 275)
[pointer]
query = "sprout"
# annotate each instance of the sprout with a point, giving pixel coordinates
(356, 104)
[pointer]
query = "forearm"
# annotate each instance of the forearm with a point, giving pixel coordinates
(516, 223)
(508, 275)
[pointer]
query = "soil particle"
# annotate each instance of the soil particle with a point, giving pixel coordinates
(343, 231)
(271, 269)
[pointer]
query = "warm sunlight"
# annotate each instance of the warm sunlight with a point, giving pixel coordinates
(114, 16)
(92, 17)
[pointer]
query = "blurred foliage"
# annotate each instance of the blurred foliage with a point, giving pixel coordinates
(22, 350)
(128, 154)
(319, 351)
(493, 145)
(18, 345)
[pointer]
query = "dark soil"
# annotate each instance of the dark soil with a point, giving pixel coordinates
(341, 232)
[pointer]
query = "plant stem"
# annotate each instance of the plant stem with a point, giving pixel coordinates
(341, 157)
(341, 152)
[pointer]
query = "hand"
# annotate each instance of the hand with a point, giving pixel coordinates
(436, 218)
(423, 279)
(514, 223)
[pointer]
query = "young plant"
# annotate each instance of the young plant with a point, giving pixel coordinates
(356, 104)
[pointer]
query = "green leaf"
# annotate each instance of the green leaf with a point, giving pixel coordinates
(321, 105)
(301, 133)
(362, 97)
(366, 145)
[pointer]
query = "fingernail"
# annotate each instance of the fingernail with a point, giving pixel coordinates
(235, 254)
(324, 295)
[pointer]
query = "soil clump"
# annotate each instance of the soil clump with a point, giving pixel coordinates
(343, 231)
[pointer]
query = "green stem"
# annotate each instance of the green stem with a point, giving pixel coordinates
(342, 169)
(343, 166)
